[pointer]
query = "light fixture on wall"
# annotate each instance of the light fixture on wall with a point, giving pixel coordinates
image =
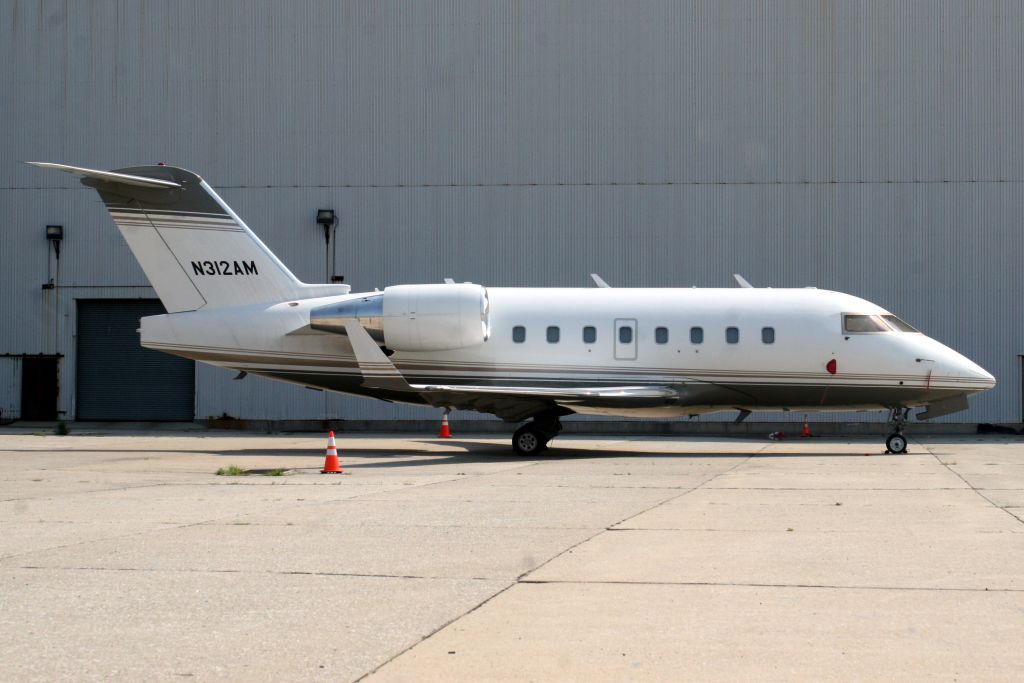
(327, 219)
(55, 234)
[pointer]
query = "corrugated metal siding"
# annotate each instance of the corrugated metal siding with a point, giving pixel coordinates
(869, 147)
(10, 388)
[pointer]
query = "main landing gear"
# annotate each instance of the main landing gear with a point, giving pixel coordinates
(896, 442)
(532, 438)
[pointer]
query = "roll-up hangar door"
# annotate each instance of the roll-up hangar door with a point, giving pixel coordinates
(117, 379)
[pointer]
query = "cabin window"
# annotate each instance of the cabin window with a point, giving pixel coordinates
(856, 323)
(899, 325)
(661, 335)
(732, 335)
(625, 335)
(589, 334)
(696, 335)
(768, 335)
(553, 334)
(518, 334)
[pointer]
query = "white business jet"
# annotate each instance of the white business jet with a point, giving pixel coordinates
(519, 353)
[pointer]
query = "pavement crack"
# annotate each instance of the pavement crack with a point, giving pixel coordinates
(690, 490)
(972, 486)
(434, 631)
(258, 572)
(520, 579)
(745, 584)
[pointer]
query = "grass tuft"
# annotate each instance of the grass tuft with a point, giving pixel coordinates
(277, 472)
(230, 471)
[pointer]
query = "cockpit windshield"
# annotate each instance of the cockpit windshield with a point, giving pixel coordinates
(899, 325)
(855, 323)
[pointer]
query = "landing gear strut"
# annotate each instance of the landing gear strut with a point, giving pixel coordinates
(532, 438)
(896, 442)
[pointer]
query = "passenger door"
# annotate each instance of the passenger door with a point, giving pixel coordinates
(625, 339)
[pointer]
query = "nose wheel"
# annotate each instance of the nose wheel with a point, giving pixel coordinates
(896, 443)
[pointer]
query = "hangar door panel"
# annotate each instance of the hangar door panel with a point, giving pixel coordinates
(117, 379)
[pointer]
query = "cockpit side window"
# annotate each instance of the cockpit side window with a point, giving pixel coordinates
(855, 323)
(898, 325)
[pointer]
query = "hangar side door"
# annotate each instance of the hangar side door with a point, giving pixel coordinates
(625, 339)
(117, 379)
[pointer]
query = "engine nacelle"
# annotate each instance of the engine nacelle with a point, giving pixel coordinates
(415, 317)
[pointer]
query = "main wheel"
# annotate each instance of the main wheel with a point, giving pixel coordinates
(896, 443)
(528, 440)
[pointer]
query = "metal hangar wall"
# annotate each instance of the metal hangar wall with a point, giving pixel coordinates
(873, 148)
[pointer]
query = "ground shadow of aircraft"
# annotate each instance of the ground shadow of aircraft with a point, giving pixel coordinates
(482, 453)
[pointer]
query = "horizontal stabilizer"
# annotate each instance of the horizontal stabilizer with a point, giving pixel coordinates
(108, 176)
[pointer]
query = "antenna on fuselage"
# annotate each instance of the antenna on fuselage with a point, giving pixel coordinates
(599, 282)
(742, 281)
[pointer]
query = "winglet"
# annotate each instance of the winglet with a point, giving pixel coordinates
(742, 281)
(599, 282)
(109, 176)
(378, 371)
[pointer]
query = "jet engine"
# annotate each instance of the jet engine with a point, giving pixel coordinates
(414, 317)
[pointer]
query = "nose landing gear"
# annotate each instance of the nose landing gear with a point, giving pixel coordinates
(896, 443)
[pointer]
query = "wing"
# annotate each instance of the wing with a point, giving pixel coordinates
(519, 402)
(507, 402)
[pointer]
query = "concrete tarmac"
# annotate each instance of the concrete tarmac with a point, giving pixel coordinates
(124, 557)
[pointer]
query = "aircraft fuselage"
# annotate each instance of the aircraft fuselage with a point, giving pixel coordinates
(722, 349)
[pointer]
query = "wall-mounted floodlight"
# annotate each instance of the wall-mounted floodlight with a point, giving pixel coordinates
(55, 233)
(327, 219)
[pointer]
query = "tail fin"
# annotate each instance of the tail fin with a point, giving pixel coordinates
(196, 252)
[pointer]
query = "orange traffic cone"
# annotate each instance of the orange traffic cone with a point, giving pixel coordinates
(806, 430)
(446, 432)
(331, 461)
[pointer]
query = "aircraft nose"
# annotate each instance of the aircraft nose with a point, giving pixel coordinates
(980, 378)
